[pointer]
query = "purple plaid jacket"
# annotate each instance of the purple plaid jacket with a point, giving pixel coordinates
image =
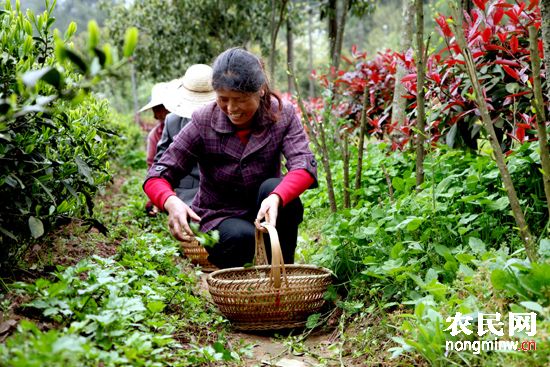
(230, 171)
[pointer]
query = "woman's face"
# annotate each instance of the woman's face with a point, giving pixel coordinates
(238, 106)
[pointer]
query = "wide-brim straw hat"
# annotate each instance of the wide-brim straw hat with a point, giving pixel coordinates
(159, 94)
(192, 91)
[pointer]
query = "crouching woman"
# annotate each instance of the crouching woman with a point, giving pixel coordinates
(238, 142)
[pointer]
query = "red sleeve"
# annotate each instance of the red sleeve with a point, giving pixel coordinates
(158, 190)
(293, 184)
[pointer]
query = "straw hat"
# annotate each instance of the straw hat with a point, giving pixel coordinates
(192, 91)
(159, 94)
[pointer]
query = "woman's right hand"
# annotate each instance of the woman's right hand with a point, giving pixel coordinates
(178, 217)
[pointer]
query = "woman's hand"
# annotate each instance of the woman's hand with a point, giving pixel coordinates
(268, 211)
(178, 217)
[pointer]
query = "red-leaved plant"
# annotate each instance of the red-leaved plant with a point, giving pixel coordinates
(496, 32)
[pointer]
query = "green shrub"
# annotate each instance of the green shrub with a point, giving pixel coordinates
(56, 139)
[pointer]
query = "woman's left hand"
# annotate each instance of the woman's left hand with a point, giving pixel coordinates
(268, 211)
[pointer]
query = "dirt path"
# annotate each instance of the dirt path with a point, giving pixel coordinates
(288, 349)
(269, 351)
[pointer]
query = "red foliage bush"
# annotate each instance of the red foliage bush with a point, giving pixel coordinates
(497, 34)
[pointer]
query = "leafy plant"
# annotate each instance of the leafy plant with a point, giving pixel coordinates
(208, 239)
(56, 139)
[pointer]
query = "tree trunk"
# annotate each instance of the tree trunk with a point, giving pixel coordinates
(540, 113)
(273, 34)
(290, 54)
(420, 114)
(310, 51)
(332, 16)
(318, 141)
(525, 234)
(275, 26)
(347, 201)
(340, 34)
(326, 159)
(134, 91)
(545, 13)
(360, 148)
(399, 102)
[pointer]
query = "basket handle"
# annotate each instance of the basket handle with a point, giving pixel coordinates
(277, 261)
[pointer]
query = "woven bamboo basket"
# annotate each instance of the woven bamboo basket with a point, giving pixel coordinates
(269, 297)
(197, 254)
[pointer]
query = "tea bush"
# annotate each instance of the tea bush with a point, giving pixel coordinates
(56, 139)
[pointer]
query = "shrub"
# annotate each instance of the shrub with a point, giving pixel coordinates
(56, 139)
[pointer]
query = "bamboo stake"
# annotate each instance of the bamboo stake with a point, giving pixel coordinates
(420, 76)
(361, 148)
(347, 201)
(319, 144)
(525, 234)
(540, 114)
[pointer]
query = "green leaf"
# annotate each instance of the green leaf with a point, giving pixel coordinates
(330, 294)
(411, 224)
(130, 41)
(477, 245)
(71, 29)
(69, 344)
(396, 250)
(436, 289)
(500, 204)
(464, 258)
(500, 278)
(36, 226)
(27, 26)
(108, 55)
(444, 251)
(544, 248)
(512, 88)
(398, 183)
(466, 270)
(8, 233)
(451, 135)
(49, 75)
(155, 306)
(95, 67)
(28, 45)
(84, 170)
(205, 239)
(63, 53)
(93, 34)
(313, 320)
(533, 306)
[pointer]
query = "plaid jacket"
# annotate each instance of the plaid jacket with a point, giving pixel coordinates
(230, 171)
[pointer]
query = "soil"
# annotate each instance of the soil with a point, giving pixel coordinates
(269, 351)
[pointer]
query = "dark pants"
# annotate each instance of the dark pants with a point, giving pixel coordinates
(237, 235)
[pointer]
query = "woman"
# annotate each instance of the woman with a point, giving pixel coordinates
(238, 142)
(159, 94)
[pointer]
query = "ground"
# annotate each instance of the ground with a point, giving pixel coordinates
(78, 239)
